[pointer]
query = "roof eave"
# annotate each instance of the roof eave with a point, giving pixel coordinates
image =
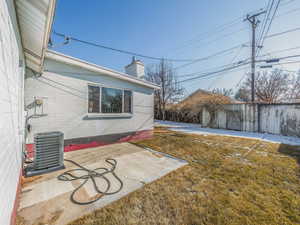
(35, 43)
(47, 34)
(97, 69)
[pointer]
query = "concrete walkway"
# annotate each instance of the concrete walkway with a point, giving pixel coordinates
(46, 200)
(191, 128)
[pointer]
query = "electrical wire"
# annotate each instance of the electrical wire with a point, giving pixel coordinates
(282, 50)
(283, 32)
(207, 34)
(208, 57)
(215, 68)
(288, 12)
(269, 26)
(232, 48)
(244, 61)
(279, 58)
(208, 75)
(233, 67)
(91, 175)
(265, 21)
(231, 62)
(118, 50)
(214, 72)
(216, 30)
(284, 63)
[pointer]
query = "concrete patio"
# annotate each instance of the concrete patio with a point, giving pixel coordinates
(46, 200)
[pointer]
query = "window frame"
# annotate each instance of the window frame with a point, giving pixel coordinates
(100, 93)
(100, 114)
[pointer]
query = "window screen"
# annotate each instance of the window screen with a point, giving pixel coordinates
(93, 99)
(127, 102)
(111, 100)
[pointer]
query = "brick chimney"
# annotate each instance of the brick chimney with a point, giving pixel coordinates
(136, 68)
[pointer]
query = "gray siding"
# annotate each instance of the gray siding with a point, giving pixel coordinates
(11, 109)
(64, 90)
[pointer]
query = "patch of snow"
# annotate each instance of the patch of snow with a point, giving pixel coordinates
(175, 124)
(193, 128)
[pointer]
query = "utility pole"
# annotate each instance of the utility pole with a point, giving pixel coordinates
(254, 22)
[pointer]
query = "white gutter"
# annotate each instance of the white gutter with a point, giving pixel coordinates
(97, 69)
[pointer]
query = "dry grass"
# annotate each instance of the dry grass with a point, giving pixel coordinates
(226, 182)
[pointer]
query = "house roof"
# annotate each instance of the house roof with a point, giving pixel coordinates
(195, 101)
(35, 19)
(50, 54)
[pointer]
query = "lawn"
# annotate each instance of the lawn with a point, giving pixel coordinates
(228, 180)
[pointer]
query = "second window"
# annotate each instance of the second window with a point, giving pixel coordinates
(112, 100)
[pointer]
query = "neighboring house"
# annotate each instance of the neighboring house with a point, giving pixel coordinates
(90, 104)
(195, 101)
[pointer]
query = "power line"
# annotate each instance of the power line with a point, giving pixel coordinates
(234, 47)
(287, 3)
(118, 50)
(207, 34)
(207, 57)
(231, 61)
(199, 59)
(284, 63)
(270, 24)
(218, 29)
(206, 71)
(265, 22)
(236, 66)
(282, 50)
(223, 36)
(288, 12)
(211, 73)
(288, 57)
(219, 74)
(215, 68)
(283, 32)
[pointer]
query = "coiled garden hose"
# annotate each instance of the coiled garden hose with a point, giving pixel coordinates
(91, 175)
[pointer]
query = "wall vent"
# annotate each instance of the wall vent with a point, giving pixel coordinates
(48, 154)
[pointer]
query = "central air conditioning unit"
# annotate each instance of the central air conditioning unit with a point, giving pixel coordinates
(48, 154)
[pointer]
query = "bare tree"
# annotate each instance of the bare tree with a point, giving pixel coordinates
(243, 94)
(295, 87)
(163, 74)
(223, 91)
(270, 87)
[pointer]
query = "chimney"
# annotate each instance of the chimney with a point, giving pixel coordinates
(136, 68)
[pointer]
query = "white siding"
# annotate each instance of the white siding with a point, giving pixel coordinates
(64, 89)
(11, 110)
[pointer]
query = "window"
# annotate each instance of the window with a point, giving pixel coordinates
(127, 102)
(109, 100)
(93, 99)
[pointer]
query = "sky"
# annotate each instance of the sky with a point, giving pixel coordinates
(175, 29)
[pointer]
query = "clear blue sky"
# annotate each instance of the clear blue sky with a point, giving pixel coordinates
(171, 28)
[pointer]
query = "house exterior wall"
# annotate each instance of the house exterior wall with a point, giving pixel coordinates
(11, 111)
(64, 90)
